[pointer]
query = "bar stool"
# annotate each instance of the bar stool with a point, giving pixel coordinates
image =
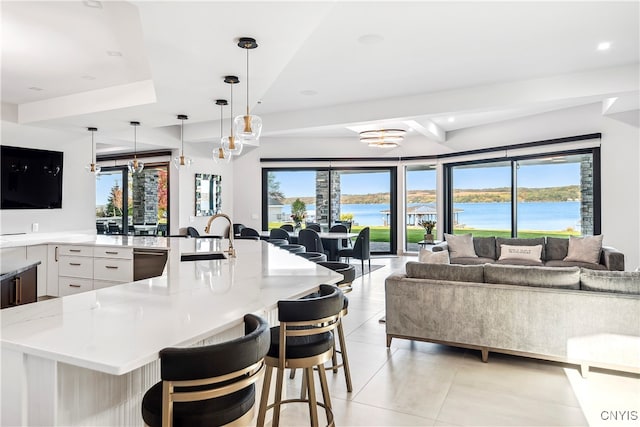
(313, 256)
(348, 272)
(304, 339)
(294, 249)
(210, 385)
(278, 242)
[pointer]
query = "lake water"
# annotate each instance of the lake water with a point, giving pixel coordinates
(548, 216)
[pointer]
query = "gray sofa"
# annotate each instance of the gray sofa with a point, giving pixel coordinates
(554, 250)
(567, 314)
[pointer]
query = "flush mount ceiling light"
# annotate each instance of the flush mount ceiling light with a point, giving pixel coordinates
(93, 167)
(231, 144)
(248, 127)
(604, 45)
(181, 160)
(134, 165)
(383, 138)
(219, 153)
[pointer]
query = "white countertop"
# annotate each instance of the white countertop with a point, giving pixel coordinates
(121, 328)
(31, 239)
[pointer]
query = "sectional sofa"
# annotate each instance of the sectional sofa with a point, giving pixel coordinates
(554, 252)
(568, 314)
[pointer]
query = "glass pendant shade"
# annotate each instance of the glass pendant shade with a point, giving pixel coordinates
(182, 161)
(247, 127)
(220, 155)
(232, 145)
(134, 165)
(93, 167)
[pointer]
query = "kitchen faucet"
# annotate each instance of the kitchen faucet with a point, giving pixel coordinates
(231, 251)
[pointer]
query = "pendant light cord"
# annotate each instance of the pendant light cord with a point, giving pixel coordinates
(93, 148)
(231, 116)
(135, 142)
(182, 137)
(247, 81)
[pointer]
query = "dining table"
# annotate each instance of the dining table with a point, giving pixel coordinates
(329, 237)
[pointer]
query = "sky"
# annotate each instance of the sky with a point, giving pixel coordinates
(302, 183)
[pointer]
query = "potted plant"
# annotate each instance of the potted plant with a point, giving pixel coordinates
(428, 228)
(346, 219)
(298, 212)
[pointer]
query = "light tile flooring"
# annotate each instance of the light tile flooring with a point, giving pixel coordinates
(423, 384)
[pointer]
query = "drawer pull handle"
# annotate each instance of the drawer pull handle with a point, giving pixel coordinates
(75, 263)
(111, 266)
(75, 250)
(75, 286)
(111, 252)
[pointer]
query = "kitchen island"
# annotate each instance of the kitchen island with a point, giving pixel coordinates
(87, 359)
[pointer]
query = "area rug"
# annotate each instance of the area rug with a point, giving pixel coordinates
(374, 267)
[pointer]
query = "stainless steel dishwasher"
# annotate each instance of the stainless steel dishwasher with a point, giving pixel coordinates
(148, 263)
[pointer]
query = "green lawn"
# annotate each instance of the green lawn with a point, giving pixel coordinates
(415, 234)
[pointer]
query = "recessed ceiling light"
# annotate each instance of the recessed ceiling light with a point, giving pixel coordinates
(88, 77)
(308, 92)
(114, 53)
(370, 39)
(604, 45)
(37, 89)
(451, 119)
(93, 3)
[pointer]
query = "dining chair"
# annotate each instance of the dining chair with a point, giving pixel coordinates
(287, 227)
(313, 226)
(310, 240)
(361, 249)
(248, 231)
(279, 233)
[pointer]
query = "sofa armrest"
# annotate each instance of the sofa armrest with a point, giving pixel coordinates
(440, 247)
(612, 258)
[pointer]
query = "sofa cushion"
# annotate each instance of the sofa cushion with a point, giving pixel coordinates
(521, 253)
(429, 257)
(584, 249)
(556, 248)
(545, 277)
(460, 245)
(519, 242)
(450, 272)
(516, 261)
(556, 263)
(623, 282)
(471, 261)
(485, 247)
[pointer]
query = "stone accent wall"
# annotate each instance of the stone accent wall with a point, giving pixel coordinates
(324, 194)
(586, 195)
(145, 197)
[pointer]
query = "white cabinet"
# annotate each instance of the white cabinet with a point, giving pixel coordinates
(84, 268)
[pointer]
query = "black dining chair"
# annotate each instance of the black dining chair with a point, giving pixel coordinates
(313, 226)
(237, 228)
(333, 246)
(303, 339)
(100, 228)
(361, 249)
(210, 385)
(192, 232)
(249, 232)
(310, 240)
(279, 233)
(287, 227)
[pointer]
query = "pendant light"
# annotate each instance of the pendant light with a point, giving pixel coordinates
(231, 143)
(93, 167)
(134, 165)
(219, 153)
(181, 160)
(248, 127)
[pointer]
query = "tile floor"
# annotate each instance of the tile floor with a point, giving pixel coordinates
(422, 384)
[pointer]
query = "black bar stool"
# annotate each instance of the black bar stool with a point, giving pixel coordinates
(304, 339)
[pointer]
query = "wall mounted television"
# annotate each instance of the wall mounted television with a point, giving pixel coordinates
(30, 178)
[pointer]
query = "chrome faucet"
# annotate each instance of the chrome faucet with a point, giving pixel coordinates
(231, 251)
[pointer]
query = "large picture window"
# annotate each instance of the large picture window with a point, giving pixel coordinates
(546, 195)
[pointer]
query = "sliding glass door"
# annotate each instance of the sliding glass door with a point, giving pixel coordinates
(421, 203)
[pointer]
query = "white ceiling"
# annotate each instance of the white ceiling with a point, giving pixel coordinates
(322, 69)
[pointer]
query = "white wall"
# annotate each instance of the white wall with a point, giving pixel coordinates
(620, 162)
(621, 184)
(78, 186)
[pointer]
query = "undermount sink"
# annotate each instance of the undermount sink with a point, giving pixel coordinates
(205, 256)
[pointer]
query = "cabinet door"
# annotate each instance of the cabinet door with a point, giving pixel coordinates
(27, 286)
(7, 293)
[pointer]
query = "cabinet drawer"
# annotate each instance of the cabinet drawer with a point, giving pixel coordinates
(75, 250)
(112, 269)
(125, 253)
(73, 285)
(76, 266)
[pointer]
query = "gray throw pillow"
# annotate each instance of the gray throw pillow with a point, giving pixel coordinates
(449, 272)
(428, 257)
(584, 249)
(543, 277)
(623, 282)
(460, 246)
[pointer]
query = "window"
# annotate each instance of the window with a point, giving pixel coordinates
(547, 195)
(421, 203)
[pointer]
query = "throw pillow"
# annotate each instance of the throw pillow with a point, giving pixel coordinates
(529, 253)
(584, 249)
(429, 257)
(460, 246)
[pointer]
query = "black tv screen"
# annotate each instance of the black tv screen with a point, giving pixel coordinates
(31, 179)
